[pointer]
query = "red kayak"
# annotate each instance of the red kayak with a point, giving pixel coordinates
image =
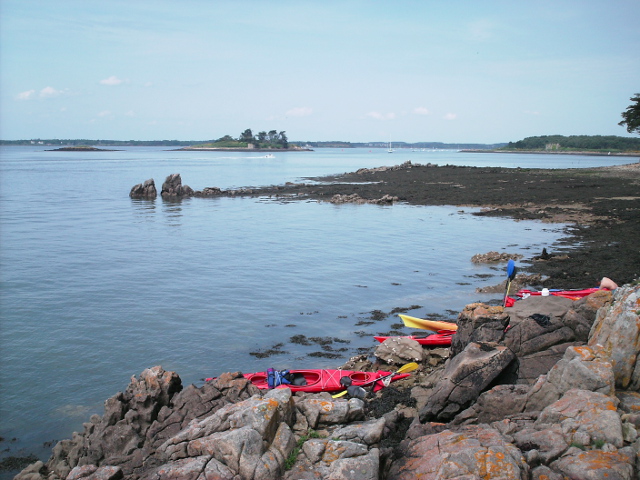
(440, 339)
(325, 380)
(572, 294)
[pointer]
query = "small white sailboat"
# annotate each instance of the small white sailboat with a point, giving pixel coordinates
(390, 149)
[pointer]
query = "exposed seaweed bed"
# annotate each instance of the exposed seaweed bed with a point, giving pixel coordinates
(600, 205)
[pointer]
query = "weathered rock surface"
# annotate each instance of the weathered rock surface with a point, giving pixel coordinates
(144, 190)
(617, 329)
(471, 452)
(580, 367)
(464, 378)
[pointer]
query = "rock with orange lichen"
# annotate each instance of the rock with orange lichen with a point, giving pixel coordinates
(472, 452)
(581, 367)
(587, 418)
(617, 329)
(597, 465)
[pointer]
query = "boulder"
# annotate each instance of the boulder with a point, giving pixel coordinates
(399, 350)
(596, 465)
(336, 460)
(475, 451)
(581, 367)
(586, 418)
(479, 323)
(617, 329)
(464, 378)
(582, 314)
(494, 405)
(173, 188)
(144, 190)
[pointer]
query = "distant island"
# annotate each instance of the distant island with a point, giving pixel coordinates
(81, 148)
(574, 144)
(263, 141)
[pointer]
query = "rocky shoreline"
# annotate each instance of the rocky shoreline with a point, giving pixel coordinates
(546, 389)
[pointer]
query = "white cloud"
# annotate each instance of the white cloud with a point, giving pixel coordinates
(28, 95)
(48, 92)
(420, 111)
(130, 113)
(111, 81)
(299, 112)
(532, 112)
(381, 116)
(450, 116)
(104, 113)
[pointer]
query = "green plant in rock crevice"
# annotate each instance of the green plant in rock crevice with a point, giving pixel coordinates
(291, 460)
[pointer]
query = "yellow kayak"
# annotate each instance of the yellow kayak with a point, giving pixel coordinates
(432, 325)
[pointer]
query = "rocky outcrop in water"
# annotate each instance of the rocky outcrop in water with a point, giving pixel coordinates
(173, 188)
(576, 419)
(144, 190)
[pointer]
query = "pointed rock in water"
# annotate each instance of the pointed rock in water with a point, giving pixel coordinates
(172, 187)
(144, 190)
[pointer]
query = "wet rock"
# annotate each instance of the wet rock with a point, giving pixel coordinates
(357, 199)
(464, 377)
(144, 190)
(495, 257)
(617, 329)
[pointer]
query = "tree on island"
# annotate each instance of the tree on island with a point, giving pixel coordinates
(632, 115)
(273, 139)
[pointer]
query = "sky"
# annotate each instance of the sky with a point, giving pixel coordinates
(457, 71)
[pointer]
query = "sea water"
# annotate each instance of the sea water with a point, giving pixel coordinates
(96, 287)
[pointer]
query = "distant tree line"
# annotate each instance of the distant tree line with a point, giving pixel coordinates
(88, 142)
(576, 142)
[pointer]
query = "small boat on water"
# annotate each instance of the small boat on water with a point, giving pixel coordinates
(269, 155)
(440, 339)
(324, 380)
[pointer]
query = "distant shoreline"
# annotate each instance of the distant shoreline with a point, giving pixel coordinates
(223, 149)
(550, 152)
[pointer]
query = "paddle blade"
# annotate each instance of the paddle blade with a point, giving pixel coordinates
(511, 269)
(432, 325)
(409, 367)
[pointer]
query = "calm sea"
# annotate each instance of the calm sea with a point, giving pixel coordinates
(96, 287)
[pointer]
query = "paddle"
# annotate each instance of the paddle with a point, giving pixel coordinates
(511, 274)
(409, 367)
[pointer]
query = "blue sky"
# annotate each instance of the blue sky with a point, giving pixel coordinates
(445, 71)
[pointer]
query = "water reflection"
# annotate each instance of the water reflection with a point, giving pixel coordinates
(172, 208)
(144, 209)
